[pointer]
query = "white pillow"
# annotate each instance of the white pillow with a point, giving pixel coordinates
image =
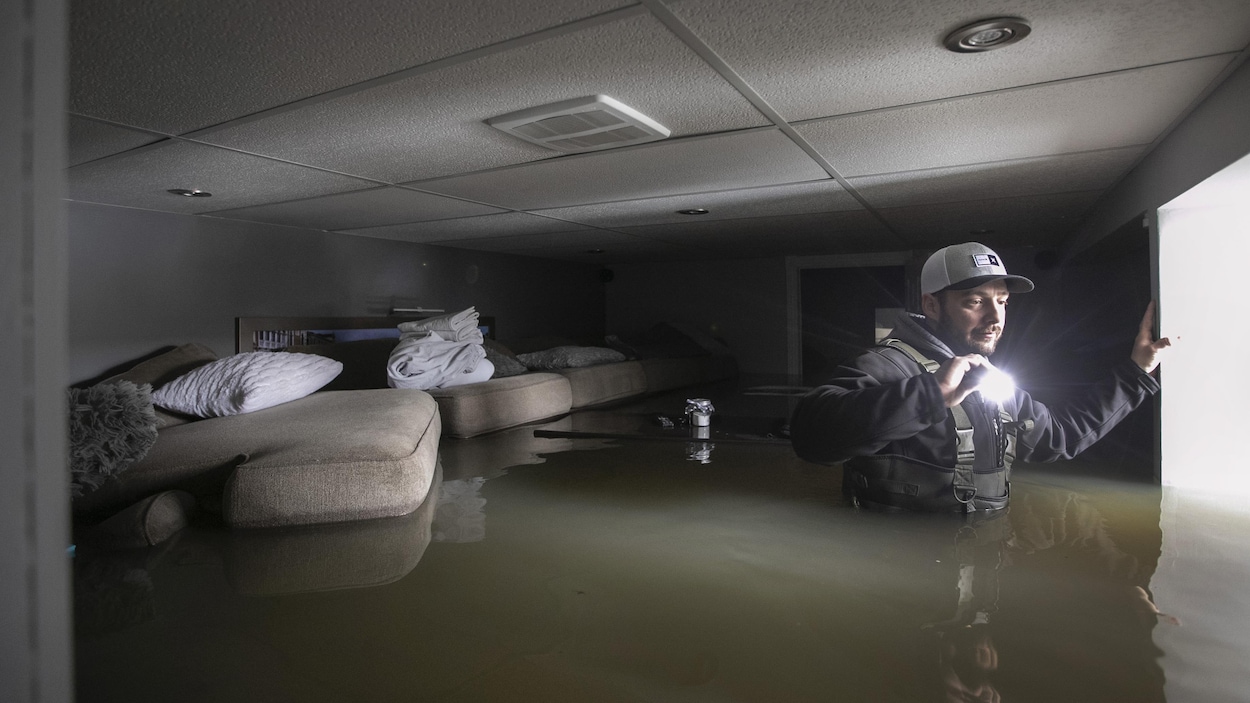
(246, 382)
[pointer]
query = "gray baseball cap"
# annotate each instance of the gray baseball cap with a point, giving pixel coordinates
(967, 265)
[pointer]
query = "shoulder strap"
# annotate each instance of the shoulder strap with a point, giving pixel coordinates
(929, 364)
(965, 448)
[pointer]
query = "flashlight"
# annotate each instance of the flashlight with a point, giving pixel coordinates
(992, 383)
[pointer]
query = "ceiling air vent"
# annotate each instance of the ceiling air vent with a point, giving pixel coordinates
(582, 124)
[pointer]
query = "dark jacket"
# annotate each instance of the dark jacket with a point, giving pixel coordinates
(883, 403)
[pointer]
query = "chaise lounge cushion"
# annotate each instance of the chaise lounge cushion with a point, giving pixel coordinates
(361, 554)
(475, 409)
(595, 385)
(328, 457)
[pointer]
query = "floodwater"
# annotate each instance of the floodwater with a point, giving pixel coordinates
(623, 570)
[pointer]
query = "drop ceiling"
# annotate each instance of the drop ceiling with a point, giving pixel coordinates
(803, 128)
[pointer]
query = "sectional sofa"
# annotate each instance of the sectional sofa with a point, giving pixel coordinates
(356, 449)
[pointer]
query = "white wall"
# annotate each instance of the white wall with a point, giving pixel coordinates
(142, 280)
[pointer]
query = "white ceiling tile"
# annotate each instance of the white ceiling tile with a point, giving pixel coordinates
(363, 208)
(581, 239)
(1117, 110)
(792, 199)
(695, 165)
(808, 234)
(510, 223)
(1042, 220)
(432, 124)
(90, 140)
(817, 59)
(1092, 170)
(140, 179)
(178, 66)
(345, 98)
(587, 245)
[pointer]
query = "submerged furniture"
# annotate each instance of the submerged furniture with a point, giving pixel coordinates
(665, 362)
(328, 457)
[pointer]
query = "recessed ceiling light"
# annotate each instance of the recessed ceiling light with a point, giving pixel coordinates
(981, 231)
(594, 251)
(693, 211)
(190, 193)
(987, 34)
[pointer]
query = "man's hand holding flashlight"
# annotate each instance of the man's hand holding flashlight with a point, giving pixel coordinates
(960, 376)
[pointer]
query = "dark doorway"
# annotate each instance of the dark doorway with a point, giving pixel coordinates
(839, 313)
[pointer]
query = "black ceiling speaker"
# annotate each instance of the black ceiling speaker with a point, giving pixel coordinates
(606, 275)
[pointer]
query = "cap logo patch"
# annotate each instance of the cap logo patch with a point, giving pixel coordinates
(983, 260)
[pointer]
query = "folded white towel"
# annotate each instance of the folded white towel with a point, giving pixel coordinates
(429, 361)
(455, 327)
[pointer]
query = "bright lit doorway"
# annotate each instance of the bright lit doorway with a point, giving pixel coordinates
(1203, 255)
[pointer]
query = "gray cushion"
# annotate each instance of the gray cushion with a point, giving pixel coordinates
(328, 457)
(332, 457)
(595, 385)
(360, 554)
(569, 357)
(477, 408)
(503, 359)
(163, 368)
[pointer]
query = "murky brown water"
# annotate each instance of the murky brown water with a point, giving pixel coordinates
(623, 571)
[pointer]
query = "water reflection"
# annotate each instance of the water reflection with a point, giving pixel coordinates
(1045, 596)
(361, 554)
(461, 514)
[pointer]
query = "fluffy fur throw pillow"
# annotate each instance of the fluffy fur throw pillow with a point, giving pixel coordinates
(111, 426)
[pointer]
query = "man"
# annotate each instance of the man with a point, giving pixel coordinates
(912, 419)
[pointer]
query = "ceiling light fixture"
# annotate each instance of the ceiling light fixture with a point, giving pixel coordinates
(987, 34)
(594, 251)
(693, 211)
(190, 193)
(582, 124)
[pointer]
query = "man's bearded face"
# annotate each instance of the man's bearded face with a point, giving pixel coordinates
(971, 321)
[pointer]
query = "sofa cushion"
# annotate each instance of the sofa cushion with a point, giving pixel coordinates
(360, 554)
(594, 385)
(166, 366)
(327, 457)
(475, 409)
(334, 457)
(163, 368)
